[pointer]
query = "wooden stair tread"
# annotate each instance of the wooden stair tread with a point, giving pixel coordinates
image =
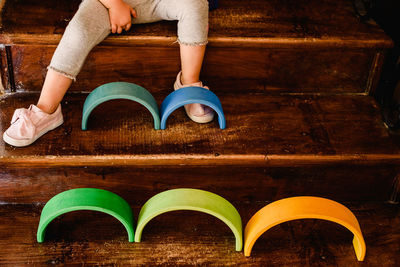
(235, 22)
(341, 182)
(92, 238)
(261, 129)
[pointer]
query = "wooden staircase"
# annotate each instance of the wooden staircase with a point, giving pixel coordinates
(296, 80)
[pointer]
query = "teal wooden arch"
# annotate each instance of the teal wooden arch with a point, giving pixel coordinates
(191, 199)
(86, 199)
(120, 90)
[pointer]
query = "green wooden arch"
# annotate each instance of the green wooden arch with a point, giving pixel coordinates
(86, 199)
(120, 90)
(191, 199)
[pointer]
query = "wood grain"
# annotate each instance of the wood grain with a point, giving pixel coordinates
(228, 70)
(332, 23)
(263, 129)
(90, 238)
(342, 182)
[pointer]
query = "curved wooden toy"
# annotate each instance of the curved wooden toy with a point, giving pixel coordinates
(120, 90)
(86, 199)
(294, 208)
(190, 95)
(191, 199)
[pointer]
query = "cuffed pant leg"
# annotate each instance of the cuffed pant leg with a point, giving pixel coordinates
(89, 26)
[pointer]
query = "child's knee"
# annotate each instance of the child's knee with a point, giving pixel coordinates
(90, 21)
(193, 24)
(194, 9)
(86, 29)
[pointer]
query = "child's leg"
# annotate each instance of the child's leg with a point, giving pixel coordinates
(54, 88)
(89, 26)
(192, 16)
(191, 62)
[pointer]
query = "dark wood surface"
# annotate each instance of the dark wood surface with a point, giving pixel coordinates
(192, 238)
(230, 70)
(261, 129)
(342, 182)
(312, 22)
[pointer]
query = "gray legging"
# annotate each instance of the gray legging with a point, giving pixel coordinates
(91, 25)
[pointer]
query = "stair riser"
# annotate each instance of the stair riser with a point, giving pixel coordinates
(237, 184)
(280, 70)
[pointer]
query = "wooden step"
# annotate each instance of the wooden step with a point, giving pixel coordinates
(273, 147)
(90, 238)
(261, 130)
(263, 22)
(257, 46)
(342, 182)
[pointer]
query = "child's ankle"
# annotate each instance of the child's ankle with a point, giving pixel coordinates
(47, 109)
(189, 80)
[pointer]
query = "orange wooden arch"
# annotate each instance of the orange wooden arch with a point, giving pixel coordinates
(294, 208)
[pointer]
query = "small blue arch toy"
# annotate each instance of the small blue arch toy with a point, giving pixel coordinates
(190, 95)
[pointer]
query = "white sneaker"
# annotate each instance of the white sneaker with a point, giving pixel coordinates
(27, 125)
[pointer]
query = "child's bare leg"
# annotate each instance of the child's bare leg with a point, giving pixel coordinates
(192, 16)
(89, 26)
(191, 62)
(54, 88)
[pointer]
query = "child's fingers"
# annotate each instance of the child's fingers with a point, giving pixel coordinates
(119, 29)
(113, 28)
(133, 12)
(128, 26)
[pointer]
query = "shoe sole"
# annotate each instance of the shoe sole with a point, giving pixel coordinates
(21, 143)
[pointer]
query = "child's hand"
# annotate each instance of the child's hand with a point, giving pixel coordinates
(120, 15)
